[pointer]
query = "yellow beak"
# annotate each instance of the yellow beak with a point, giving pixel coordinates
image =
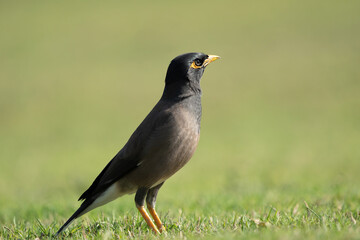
(210, 59)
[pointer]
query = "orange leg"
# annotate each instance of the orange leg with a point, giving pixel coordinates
(147, 218)
(156, 218)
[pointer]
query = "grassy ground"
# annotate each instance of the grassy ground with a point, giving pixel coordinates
(279, 154)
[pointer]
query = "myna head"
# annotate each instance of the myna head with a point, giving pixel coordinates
(186, 70)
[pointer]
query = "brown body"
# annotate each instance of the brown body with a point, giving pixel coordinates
(171, 150)
(162, 144)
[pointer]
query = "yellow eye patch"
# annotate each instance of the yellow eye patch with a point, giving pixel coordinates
(193, 65)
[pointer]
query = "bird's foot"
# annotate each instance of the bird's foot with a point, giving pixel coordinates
(156, 218)
(146, 217)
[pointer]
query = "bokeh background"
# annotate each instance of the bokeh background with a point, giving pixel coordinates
(281, 109)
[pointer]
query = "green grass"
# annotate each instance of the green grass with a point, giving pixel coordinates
(279, 153)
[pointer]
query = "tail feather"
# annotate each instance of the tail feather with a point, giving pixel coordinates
(82, 210)
(110, 194)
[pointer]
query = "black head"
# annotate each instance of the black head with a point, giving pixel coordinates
(185, 71)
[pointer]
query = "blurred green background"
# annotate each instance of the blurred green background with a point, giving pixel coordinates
(281, 109)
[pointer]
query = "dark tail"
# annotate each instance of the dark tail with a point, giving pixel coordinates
(78, 213)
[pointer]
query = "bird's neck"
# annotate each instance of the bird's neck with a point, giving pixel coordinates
(188, 95)
(180, 91)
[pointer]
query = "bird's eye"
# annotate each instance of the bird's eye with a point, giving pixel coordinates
(198, 62)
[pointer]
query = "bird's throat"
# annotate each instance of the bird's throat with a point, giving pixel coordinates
(180, 91)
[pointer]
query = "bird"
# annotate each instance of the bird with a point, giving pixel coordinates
(161, 145)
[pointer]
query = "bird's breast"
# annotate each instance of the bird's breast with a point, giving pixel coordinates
(182, 142)
(171, 149)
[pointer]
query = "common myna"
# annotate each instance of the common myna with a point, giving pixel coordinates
(162, 144)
